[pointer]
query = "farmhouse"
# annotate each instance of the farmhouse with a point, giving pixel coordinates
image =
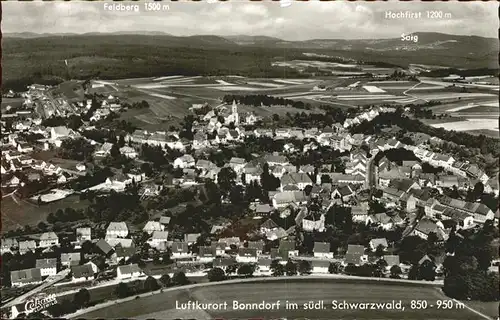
(82, 273)
(322, 250)
(48, 267)
(117, 230)
(128, 271)
(48, 239)
(24, 277)
(320, 266)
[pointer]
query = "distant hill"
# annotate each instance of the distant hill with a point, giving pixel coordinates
(426, 41)
(28, 56)
(253, 40)
(31, 35)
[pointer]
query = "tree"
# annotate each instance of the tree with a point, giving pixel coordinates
(180, 279)
(51, 218)
(246, 270)
(413, 272)
(165, 280)
(151, 284)
(147, 169)
(122, 290)
(277, 268)
(216, 274)
(395, 271)
(305, 267)
(225, 179)
(427, 271)
(81, 299)
(334, 267)
(478, 190)
(380, 251)
(42, 226)
(291, 268)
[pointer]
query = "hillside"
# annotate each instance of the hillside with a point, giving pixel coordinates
(29, 57)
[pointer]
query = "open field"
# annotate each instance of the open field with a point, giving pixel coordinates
(488, 133)
(163, 305)
(18, 213)
(470, 124)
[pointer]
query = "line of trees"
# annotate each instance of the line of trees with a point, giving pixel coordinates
(258, 99)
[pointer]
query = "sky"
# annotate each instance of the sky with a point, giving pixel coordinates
(299, 21)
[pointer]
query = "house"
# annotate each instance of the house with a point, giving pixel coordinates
(128, 271)
(83, 234)
(158, 238)
(237, 164)
(191, 238)
(57, 133)
(447, 181)
(104, 247)
(275, 160)
(277, 233)
(246, 255)
(48, 267)
(186, 161)
(424, 227)
(104, 150)
(24, 277)
(392, 194)
(343, 192)
(375, 243)
(9, 245)
(284, 199)
(264, 265)
(122, 254)
(381, 220)
(257, 245)
(124, 242)
(152, 226)
(320, 266)
(408, 202)
(252, 173)
(355, 254)
(392, 260)
(220, 248)
(287, 249)
(117, 230)
(385, 177)
(207, 254)
(359, 212)
(165, 220)
(180, 250)
(223, 263)
(82, 273)
(129, 152)
(231, 242)
(48, 239)
(404, 185)
(462, 219)
(205, 165)
(322, 250)
(25, 246)
(311, 225)
(299, 179)
(70, 259)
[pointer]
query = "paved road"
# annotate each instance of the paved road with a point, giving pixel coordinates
(168, 305)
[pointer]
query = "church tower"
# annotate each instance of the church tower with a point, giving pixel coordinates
(236, 117)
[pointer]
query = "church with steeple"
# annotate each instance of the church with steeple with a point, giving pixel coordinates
(233, 116)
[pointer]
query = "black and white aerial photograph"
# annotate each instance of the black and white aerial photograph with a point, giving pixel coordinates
(236, 160)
